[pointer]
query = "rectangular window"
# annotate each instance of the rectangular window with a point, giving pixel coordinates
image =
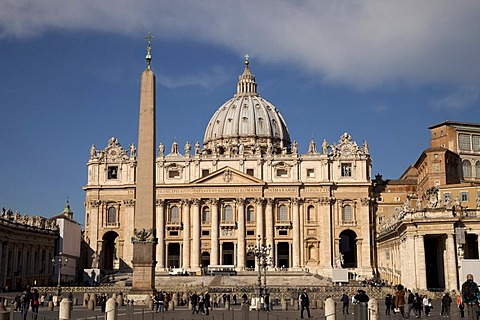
(112, 173)
(250, 172)
(173, 174)
(436, 167)
(282, 173)
(173, 233)
(463, 141)
(205, 172)
(346, 169)
(387, 254)
(205, 232)
(250, 232)
(463, 196)
(447, 196)
(283, 232)
(380, 220)
(311, 173)
(476, 142)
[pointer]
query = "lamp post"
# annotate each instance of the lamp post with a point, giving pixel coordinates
(59, 262)
(261, 253)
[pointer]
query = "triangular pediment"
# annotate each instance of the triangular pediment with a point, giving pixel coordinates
(228, 176)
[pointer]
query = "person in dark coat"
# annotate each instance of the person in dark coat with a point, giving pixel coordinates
(305, 303)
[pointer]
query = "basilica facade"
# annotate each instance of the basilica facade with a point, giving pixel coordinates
(247, 180)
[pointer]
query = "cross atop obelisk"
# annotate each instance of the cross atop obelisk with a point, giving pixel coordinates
(148, 57)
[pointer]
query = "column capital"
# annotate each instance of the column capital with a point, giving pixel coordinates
(240, 201)
(259, 201)
(195, 202)
(160, 202)
(214, 201)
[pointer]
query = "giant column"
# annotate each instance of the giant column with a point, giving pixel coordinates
(144, 238)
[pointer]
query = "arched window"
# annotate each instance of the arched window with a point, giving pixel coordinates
(477, 169)
(347, 213)
(311, 213)
(111, 215)
(282, 213)
(206, 214)
(228, 213)
(467, 169)
(174, 216)
(250, 214)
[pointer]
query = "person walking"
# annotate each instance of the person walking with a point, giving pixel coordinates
(207, 303)
(410, 299)
(469, 297)
(446, 303)
(388, 304)
(400, 300)
(345, 301)
(417, 305)
(35, 303)
(305, 303)
(460, 305)
(25, 300)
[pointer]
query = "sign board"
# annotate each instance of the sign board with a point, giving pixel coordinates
(339, 275)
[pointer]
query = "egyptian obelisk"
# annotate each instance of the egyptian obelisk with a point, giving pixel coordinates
(144, 239)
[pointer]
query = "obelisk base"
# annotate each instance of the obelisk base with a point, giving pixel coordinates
(143, 271)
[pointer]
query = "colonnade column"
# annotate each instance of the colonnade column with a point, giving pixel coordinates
(301, 243)
(196, 234)
(241, 254)
(214, 239)
(409, 268)
(259, 212)
(450, 262)
(270, 228)
(296, 233)
(160, 252)
(186, 233)
(420, 262)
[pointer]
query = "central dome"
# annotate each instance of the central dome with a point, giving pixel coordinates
(247, 123)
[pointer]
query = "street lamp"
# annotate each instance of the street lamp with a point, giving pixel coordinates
(262, 253)
(59, 262)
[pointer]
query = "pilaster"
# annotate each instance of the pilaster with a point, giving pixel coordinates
(214, 239)
(186, 233)
(196, 234)
(241, 258)
(296, 233)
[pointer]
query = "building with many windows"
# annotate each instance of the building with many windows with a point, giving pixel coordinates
(246, 180)
(431, 214)
(318, 211)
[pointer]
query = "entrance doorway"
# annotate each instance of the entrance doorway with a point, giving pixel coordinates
(173, 259)
(109, 251)
(283, 255)
(348, 247)
(228, 250)
(205, 259)
(434, 248)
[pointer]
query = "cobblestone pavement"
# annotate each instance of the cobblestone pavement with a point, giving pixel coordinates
(235, 313)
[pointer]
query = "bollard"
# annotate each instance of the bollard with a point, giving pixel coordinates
(171, 305)
(284, 304)
(319, 304)
(175, 299)
(75, 301)
(64, 312)
(329, 309)
(190, 306)
(295, 304)
(91, 305)
(86, 298)
(111, 309)
(4, 314)
(373, 313)
(149, 303)
(313, 305)
(227, 305)
(50, 306)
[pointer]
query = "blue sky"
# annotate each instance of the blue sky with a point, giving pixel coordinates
(69, 78)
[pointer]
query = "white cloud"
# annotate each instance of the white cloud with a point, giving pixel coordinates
(363, 44)
(459, 99)
(205, 80)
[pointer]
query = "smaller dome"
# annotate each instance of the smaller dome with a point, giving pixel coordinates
(247, 123)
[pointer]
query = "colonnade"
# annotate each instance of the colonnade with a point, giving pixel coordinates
(238, 231)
